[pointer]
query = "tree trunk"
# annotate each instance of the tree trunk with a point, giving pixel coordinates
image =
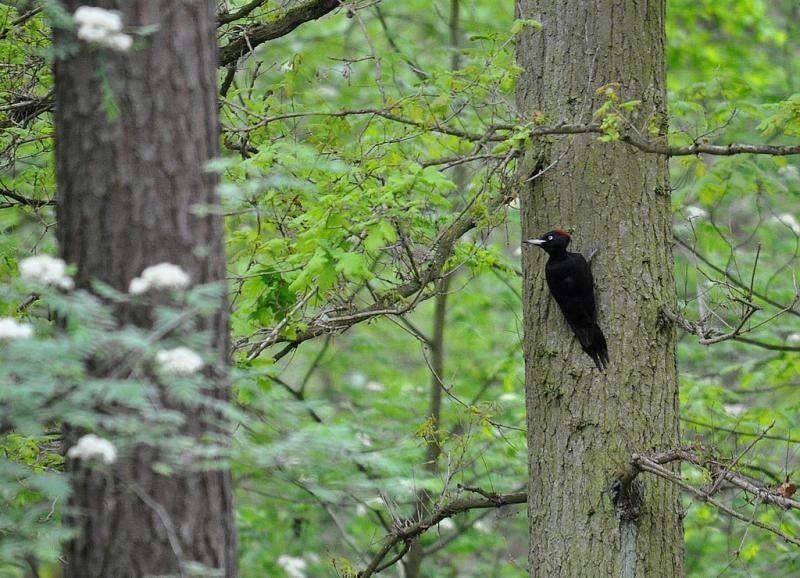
(583, 424)
(133, 133)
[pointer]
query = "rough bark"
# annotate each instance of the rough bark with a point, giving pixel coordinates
(585, 518)
(127, 182)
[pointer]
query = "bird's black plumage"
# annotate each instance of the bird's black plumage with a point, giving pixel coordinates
(572, 286)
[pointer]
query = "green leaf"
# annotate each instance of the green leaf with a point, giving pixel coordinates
(353, 265)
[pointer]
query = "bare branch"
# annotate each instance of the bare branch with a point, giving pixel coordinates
(738, 458)
(413, 529)
(788, 308)
(646, 464)
(651, 146)
(288, 21)
(660, 146)
(709, 336)
(740, 432)
(21, 200)
(25, 110)
(718, 470)
(226, 17)
(765, 345)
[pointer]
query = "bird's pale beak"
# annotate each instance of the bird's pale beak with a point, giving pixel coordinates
(533, 242)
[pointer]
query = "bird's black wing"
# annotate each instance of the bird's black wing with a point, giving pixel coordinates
(572, 286)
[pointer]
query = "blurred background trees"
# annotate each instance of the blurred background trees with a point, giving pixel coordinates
(369, 151)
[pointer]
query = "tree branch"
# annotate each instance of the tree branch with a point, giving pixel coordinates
(20, 200)
(734, 280)
(659, 146)
(706, 335)
(646, 464)
(288, 21)
(766, 345)
(718, 472)
(227, 17)
(395, 301)
(489, 136)
(411, 530)
(500, 132)
(740, 432)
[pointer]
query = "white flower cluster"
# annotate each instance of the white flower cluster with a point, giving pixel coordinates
(46, 269)
(180, 361)
(12, 329)
(293, 566)
(91, 447)
(694, 212)
(103, 27)
(161, 276)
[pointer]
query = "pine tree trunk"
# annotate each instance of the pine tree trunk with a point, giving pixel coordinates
(584, 425)
(133, 133)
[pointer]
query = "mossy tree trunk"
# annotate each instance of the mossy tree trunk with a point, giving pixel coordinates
(584, 425)
(128, 180)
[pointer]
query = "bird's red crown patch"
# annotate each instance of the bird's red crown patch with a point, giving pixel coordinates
(563, 232)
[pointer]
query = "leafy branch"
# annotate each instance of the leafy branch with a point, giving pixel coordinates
(500, 133)
(395, 301)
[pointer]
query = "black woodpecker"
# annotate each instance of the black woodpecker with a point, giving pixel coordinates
(572, 286)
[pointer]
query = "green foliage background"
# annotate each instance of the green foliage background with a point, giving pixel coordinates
(331, 214)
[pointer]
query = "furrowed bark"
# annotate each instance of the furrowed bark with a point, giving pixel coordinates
(130, 167)
(587, 516)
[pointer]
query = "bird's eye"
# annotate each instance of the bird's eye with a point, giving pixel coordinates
(549, 237)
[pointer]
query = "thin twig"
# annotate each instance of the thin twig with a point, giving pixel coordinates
(276, 329)
(455, 506)
(738, 458)
(648, 465)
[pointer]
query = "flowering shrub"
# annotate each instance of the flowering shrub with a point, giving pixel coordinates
(13, 329)
(161, 276)
(91, 447)
(47, 270)
(180, 361)
(102, 27)
(49, 382)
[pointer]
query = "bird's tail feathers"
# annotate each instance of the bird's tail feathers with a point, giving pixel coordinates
(593, 342)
